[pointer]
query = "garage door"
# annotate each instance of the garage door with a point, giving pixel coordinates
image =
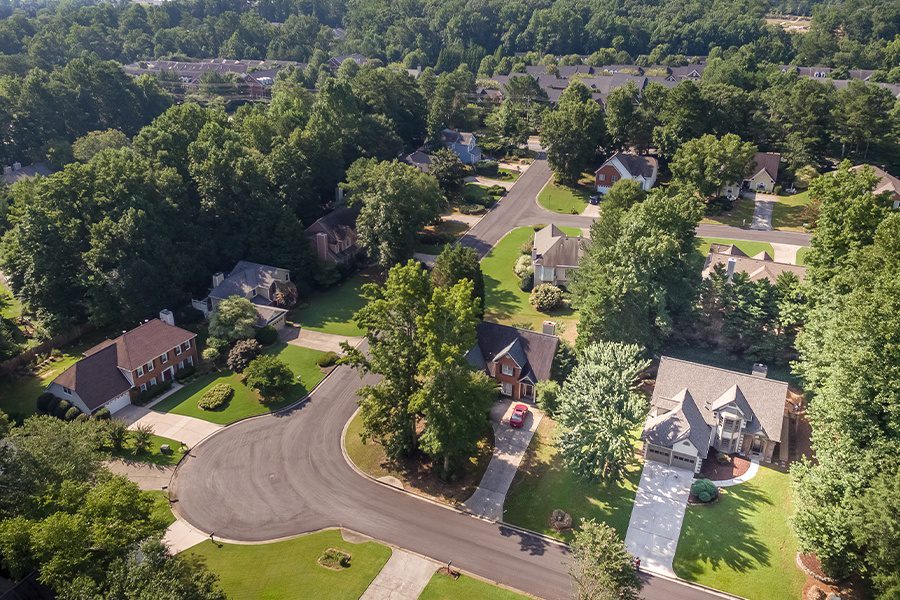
(657, 454)
(119, 403)
(683, 462)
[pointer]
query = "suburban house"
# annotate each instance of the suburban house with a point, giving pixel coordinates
(697, 408)
(16, 172)
(253, 281)
(624, 165)
(463, 144)
(887, 183)
(333, 237)
(555, 255)
(420, 160)
(759, 266)
(115, 371)
(516, 358)
(765, 172)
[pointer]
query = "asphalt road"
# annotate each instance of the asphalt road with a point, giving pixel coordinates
(520, 208)
(281, 475)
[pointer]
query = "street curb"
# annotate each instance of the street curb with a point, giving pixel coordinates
(487, 212)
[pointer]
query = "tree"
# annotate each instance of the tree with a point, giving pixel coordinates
(397, 201)
(709, 163)
(141, 438)
(625, 119)
(242, 353)
(233, 319)
(599, 407)
(269, 376)
(546, 394)
(683, 116)
(572, 133)
(456, 263)
(601, 567)
(863, 116)
(94, 142)
(450, 172)
(875, 529)
(116, 433)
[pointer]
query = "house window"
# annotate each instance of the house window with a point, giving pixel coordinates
(728, 424)
(164, 358)
(143, 387)
(153, 382)
(601, 177)
(191, 360)
(67, 391)
(614, 178)
(506, 369)
(187, 345)
(506, 389)
(140, 371)
(180, 365)
(178, 350)
(149, 366)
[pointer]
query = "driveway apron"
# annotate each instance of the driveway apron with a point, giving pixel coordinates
(403, 577)
(177, 427)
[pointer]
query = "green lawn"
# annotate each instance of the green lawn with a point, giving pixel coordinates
(740, 215)
(565, 199)
(504, 301)
(748, 248)
(154, 455)
(10, 307)
(544, 484)
(801, 255)
(162, 510)
(743, 543)
(788, 213)
(288, 570)
(477, 194)
(434, 238)
(332, 311)
(18, 395)
(245, 402)
(507, 174)
(442, 587)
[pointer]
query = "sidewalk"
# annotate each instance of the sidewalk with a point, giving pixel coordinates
(146, 475)
(180, 536)
(177, 427)
(785, 253)
(403, 577)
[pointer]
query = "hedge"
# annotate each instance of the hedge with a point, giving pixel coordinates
(328, 359)
(62, 408)
(73, 412)
(46, 402)
(216, 397)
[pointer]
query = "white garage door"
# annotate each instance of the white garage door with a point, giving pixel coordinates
(117, 404)
(683, 462)
(658, 454)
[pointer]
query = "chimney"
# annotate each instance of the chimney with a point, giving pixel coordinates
(217, 279)
(729, 271)
(760, 370)
(549, 327)
(322, 246)
(166, 316)
(17, 166)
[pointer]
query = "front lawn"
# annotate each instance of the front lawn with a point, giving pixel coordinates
(154, 455)
(801, 255)
(789, 213)
(289, 569)
(434, 238)
(331, 311)
(747, 247)
(504, 301)
(543, 484)
(162, 509)
(740, 215)
(415, 473)
(245, 402)
(565, 199)
(443, 587)
(475, 193)
(507, 174)
(743, 544)
(18, 395)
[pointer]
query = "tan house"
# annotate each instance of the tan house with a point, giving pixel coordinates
(764, 175)
(257, 283)
(759, 266)
(516, 358)
(625, 165)
(696, 409)
(115, 371)
(555, 255)
(887, 183)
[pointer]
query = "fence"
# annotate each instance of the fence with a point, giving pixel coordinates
(9, 366)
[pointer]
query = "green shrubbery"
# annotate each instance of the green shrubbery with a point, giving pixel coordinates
(267, 335)
(216, 397)
(72, 413)
(523, 266)
(329, 359)
(242, 353)
(46, 402)
(62, 407)
(546, 297)
(704, 490)
(487, 168)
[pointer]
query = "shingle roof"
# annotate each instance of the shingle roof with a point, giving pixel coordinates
(684, 422)
(886, 182)
(758, 267)
(768, 162)
(535, 349)
(634, 163)
(96, 378)
(246, 277)
(144, 343)
(554, 248)
(337, 221)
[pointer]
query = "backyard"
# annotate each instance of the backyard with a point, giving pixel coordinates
(743, 543)
(443, 587)
(505, 302)
(565, 199)
(289, 569)
(245, 402)
(544, 484)
(331, 311)
(18, 395)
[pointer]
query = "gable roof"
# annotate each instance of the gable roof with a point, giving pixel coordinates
(554, 248)
(533, 351)
(420, 160)
(634, 164)
(684, 422)
(768, 162)
(96, 378)
(143, 343)
(337, 223)
(886, 182)
(757, 267)
(245, 277)
(451, 136)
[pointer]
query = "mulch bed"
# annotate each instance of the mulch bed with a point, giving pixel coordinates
(714, 471)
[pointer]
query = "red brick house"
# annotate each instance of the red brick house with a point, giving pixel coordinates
(624, 165)
(113, 372)
(516, 358)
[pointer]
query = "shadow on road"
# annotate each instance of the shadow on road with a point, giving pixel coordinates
(532, 544)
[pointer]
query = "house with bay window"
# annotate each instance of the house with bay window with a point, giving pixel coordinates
(698, 409)
(516, 358)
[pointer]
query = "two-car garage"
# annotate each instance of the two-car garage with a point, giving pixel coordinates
(671, 457)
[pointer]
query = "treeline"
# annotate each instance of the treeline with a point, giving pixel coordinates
(139, 227)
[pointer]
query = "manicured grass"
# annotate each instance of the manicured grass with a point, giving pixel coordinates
(743, 543)
(740, 215)
(415, 473)
(18, 395)
(332, 311)
(504, 301)
(565, 199)
(543, 484)
(507, 174)
(436, 237)
(288, 570)
(442, 587)
(801, 255)
(10, 307)
(477, 194)
(748, 248)
(153, 455)
(162, 510)
(787, 214)
(245, 402)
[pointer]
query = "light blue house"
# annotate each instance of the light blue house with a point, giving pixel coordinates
(463, 144)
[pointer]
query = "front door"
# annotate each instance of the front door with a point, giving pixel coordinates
(168, 374)
(756, 446)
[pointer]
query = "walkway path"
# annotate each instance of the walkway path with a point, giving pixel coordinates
(750, 474)
(177, 427)
(146, 475)
(403, 577)
(316, 340)
(656, 518)
(487, 181)
(181, 535)
(509, 447)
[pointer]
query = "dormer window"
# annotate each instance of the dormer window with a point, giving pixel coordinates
(67, 391)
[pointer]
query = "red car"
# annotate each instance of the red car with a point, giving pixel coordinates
(520, 413)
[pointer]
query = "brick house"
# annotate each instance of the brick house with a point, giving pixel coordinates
(333, 238)
(516, 358)
(625, 165)
(114, 372)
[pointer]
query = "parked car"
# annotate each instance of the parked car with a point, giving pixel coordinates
(595, 199)
(520, 413)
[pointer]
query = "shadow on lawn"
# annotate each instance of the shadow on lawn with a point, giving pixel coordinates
(786, 215)
(723, 534)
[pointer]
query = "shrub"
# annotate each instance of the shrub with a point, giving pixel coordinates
(152, 392)
(103, 414)
(211, 355)
(497, 191)
(525, 283)
(334, 559)
(116, 433)
(527, 247)
(73, 412)
(60, 410)
(141, 438)
(266, 335)
(546, 297)
(269, 376)
(81, 418)
(184, 373)
(471, 209)
(523, 266)
(286, 294)
(328, 359)
(217, 343)
(547, 396)
(46, 402)
(488, 168)
(704, 490)
(216, 397)
(243, 352)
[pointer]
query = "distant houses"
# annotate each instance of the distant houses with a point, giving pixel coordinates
(333, 238)
(625, 165)
(886, 184)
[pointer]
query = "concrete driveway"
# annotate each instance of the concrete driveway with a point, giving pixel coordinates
(509, 447)
(306, 338)
(177, 427)
(656, 518)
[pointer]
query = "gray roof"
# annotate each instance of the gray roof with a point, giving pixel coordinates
(532, 351)
(96, 378)
(684, 422)
(756, 267)
(12, 174)
(420, 160)
(554, 248)
(710, 389)
(451, 136)
(635, 164)
(246, 277)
